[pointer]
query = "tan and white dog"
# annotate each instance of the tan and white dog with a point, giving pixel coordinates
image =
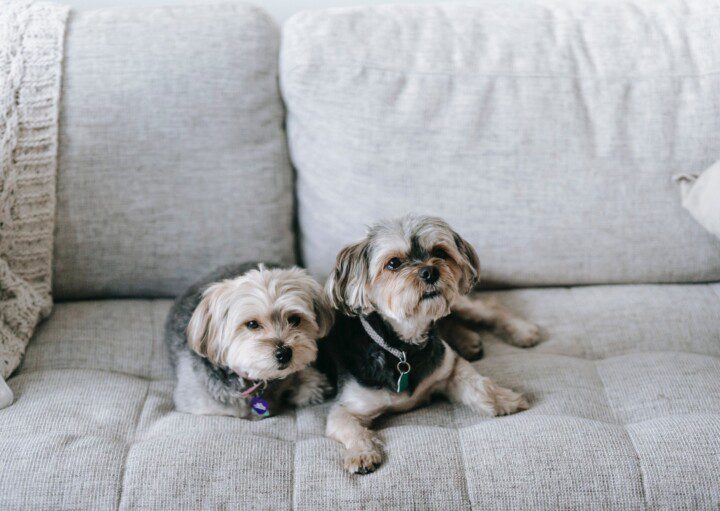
(243, 341)
(391, 291)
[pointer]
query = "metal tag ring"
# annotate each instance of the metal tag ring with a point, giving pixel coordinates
(403, 367)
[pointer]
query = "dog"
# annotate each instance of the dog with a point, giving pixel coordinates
(243, 340)
(391, 291)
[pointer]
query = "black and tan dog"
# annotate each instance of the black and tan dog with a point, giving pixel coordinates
(391, 291)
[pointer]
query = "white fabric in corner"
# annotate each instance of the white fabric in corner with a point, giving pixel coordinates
(701, 197)
(6, 394)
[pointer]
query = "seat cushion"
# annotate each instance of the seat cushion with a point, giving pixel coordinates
(625, 413)
(172, 156)
(547, 132)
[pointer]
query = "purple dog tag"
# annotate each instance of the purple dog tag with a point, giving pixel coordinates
(260, 406)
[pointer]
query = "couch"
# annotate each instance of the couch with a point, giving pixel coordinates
(546, 132)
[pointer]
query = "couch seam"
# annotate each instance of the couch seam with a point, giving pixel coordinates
(587, 347)
(94, 369)
(549, 416)
(619, 422)
(153, 326)
(598, 359)
(514, 354)
(463, 464)
(641, 471)
(129, 443)
(451, 73)
(293, 478)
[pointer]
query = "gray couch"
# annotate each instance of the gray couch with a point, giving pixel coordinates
(546, 132)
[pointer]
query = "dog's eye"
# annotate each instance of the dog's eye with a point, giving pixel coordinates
(393, 264)
(252, 324)
(439, 253)
(294, 320)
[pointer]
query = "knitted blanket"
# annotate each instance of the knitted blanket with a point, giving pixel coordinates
(31, 44)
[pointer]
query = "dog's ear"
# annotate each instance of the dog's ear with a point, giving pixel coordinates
(204, 326)
(319, 302)
(470, 264)
(324, 315)
(347, 285)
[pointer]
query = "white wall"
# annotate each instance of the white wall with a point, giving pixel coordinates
(280, 9)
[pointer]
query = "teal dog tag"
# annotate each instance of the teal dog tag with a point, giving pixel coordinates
(404, 379)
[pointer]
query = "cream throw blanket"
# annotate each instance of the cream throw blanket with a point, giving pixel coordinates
(31, 44)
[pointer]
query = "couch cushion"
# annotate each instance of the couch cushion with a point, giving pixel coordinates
(172, 151)
(546, 132)
(625, 413)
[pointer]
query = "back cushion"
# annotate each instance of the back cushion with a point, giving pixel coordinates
(172, 150)
(546, 132)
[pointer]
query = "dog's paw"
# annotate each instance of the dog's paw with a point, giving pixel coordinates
(508, 401)
(309, 395)
(313, 389)
(362, 461)
(472, 353)
(524, 334)
(470, 348)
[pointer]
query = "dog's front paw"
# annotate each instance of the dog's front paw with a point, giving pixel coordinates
(362, 460)
(313, 389)
(468, 344)
(472, 353)
(524, 334)
(508, 401)
(309, 395)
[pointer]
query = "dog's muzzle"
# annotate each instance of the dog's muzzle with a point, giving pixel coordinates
(283, 354)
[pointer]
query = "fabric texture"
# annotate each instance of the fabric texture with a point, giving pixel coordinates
(6, 394)
(701, 197)
(31, 49)
(625, 414)
(173, 157)
(547, 132)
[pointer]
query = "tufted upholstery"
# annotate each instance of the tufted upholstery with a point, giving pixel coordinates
(625, 413)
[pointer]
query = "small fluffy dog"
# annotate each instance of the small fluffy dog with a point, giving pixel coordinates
(391, 289)
(243, 339)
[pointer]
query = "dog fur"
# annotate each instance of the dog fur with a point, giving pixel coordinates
(403, 278)
(217, 355)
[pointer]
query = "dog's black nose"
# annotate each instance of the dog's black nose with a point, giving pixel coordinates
(283, 354)
(429, 274)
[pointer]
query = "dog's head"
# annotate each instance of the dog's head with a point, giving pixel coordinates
(263, 325)
(409, 270)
